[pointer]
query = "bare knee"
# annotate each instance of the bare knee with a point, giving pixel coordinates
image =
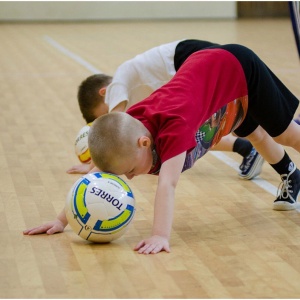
(289, 136)
(258, 136)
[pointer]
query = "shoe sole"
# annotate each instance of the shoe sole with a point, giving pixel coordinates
(255, 170)
(283, 205)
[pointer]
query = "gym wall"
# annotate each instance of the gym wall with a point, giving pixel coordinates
(114, 10)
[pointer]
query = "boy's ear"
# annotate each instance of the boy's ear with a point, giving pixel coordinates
(102, 91)
(144, 141)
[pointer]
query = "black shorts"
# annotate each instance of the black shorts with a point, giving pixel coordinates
(187, 47)
(270, 104)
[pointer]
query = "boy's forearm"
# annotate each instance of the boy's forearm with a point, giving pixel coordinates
(120, 107)
(163, 213)
(165, 195)
(163, 207)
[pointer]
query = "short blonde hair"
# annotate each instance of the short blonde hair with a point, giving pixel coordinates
(113, 138)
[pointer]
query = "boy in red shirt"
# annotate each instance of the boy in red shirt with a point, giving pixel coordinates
(216, 91)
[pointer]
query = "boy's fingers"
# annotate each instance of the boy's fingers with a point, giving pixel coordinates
(71, 171)
(167, 249)
(28, 231)
(53, 230)
(139, 245)
(35, 230)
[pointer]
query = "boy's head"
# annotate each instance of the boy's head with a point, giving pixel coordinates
(91, 94)
(120, 144)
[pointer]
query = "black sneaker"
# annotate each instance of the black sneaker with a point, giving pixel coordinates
(297, 120)
(288, 190)
(251, 165)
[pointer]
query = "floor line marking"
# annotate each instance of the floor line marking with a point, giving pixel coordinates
(270, 188)
(72, 55)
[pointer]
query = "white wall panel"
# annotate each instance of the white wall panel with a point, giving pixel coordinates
(113, 10)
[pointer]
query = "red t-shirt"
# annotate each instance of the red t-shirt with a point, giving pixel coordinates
(207, 81)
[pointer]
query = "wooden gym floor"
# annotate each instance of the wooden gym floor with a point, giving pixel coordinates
(227, 242)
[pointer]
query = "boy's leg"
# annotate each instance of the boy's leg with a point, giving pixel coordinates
(275, 154)
(272, 106)
(271, 151)
(290, 137)
(252, 161)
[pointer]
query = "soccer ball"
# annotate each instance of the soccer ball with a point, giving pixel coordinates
(81, 144)
(99, 207)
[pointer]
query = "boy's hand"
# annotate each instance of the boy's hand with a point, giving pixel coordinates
(49, 228)
(80, 169)
(153, 245)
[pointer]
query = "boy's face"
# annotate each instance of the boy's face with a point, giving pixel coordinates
(139, 163)
(100, 110)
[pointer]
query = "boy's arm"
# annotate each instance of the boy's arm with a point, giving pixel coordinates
(61, 221)
(163, 208)
(120, 107)
(51, 227)
(83, 169)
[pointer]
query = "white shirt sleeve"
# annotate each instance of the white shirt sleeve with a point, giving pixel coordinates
(137, 78)
(123, 80)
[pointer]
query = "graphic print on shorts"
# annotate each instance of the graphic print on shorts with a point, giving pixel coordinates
(221, 123)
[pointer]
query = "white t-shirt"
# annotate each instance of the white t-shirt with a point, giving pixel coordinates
(138, 77)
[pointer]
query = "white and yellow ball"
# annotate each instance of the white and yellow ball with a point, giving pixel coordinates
(81, 144)
(99, 207)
